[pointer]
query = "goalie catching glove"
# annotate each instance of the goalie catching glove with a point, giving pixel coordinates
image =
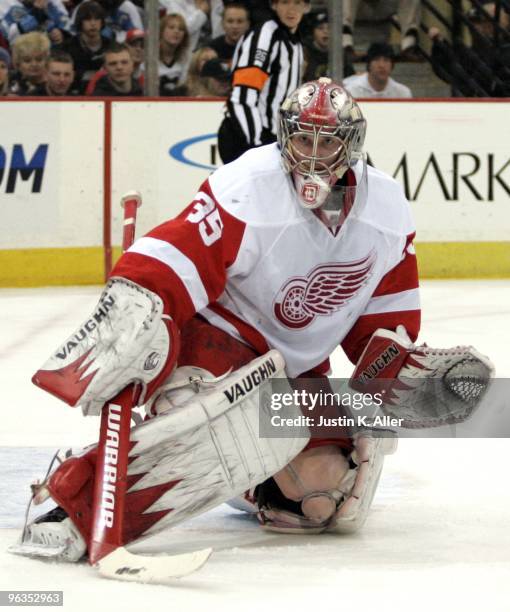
(127, 339)
(422, 386)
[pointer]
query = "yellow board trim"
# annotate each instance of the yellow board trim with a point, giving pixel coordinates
(43, 267)
(463, 259)
(85, 266)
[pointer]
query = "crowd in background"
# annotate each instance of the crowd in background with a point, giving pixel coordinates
(96, 48)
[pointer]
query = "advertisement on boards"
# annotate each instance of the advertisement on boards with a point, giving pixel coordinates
(451, 159)
(51, 174)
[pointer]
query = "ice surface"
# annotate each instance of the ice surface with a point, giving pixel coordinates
(437, 538)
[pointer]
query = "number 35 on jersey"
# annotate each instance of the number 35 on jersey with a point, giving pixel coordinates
(207, 216)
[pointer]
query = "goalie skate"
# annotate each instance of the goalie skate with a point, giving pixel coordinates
(53, 536)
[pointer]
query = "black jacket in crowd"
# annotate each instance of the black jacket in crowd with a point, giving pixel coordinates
(86, 61)
(104, 87)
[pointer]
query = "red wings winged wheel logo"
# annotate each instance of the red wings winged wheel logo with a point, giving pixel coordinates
(323, 291)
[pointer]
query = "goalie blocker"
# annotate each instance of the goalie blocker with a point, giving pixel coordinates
(128, 339)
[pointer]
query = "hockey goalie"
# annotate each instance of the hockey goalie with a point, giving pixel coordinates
(286, 253)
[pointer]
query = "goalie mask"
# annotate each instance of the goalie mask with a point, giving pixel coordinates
(320, 132)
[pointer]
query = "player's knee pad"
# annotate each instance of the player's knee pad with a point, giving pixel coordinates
(206, 443)
(208, 354)
(179, 389)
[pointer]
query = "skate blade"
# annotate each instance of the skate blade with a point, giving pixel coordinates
(37, 552)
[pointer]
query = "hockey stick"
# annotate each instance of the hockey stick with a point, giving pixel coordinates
(130, 202)
(106, 542)
(113, 446)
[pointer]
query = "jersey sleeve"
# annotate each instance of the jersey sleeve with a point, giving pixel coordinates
(250, 73)
(186, 260)
(394, 302)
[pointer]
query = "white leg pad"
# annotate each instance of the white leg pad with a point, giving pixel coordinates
(210, 445)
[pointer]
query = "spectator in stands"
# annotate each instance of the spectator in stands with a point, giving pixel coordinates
(482, 69)
(236, 22)
(59, 76)
(135, 40)
(5, 64)
(29, 55)
(376, 82)
(120, 16)
(216, 18)
(88, 47)
(118, 80)
(198, 59)
(260, 11)
(4, 43)
(195, 13)
(174, 54)
(24, 16)
(316, 50)
(214, 80)
(408, 16)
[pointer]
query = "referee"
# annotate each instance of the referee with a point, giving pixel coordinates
(267, 66)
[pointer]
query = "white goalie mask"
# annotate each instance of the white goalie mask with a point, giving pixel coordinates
(320, 132)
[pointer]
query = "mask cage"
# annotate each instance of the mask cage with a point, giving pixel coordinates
(350, 140)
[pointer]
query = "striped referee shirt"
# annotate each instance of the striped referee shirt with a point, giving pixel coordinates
(266, 68)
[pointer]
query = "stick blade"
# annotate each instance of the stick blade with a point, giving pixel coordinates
(162, 569)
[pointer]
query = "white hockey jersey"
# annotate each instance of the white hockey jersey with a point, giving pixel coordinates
(251, 260)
